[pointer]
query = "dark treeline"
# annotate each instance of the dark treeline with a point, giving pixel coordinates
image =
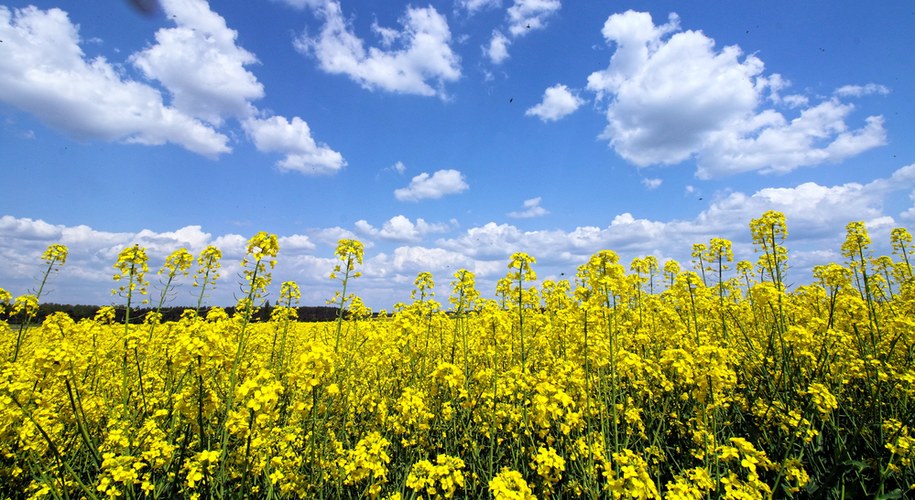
(79, 311)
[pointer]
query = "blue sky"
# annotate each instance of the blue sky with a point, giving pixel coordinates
(445, 135)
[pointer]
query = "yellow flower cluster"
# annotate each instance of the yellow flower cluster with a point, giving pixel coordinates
(442, 479)
(510, 485)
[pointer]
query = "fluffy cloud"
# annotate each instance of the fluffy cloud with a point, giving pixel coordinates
(46, 73)
(200, 64)
(652, 183)
(525, 15)
(425, 186)
(558, 102)
(401, 228)
(422, 65)
(497, 50)
(474, 6)
(859, 90)
(522, 17)
(303, 154)
(531, 209)
(673, 96)
(769, 143)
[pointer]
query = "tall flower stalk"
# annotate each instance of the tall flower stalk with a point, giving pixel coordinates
(520, 271)
(132, 266)
(259, 260)
(27, 305)
(178, 262)
(349, 253)
(464, 297)
(207, 272)
(285, 313)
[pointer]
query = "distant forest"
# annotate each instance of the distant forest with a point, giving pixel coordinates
(78, 312)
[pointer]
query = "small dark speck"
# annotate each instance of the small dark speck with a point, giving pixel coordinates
(528, 26)
(700, 199)
(822, 49)
(510, 100)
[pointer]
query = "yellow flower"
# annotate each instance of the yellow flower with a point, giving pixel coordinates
(55, 253)
(548, 464)
(510, 485)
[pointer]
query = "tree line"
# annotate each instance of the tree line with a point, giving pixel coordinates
(172, 313)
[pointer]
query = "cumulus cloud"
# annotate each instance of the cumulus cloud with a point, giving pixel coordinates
(474, 6)
(197, 62)
(770, 143)
(200, 64)
(46, 73)
(526, 15)
(651, 183)
(672, 95)
(401, 228)
(437, 185)
(303, 153)
(421, 63)
(816, 216)
(497, 50)
(522, 17)
(558, 102)
(531, 209)
(860, 90)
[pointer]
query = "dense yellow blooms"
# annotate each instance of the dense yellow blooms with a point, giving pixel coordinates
(442, 479)
(651, 382)
(510, 485)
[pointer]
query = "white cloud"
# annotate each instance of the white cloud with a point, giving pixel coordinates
(47, 74)
(422, 65)
(676, 97)
(302, 4)
(651, 183)
(401, 228)
(497, 51)
(425, 186)
(296, 243)
(303, 154)
(332, 235)
(558, 102)
(411, 260)
(200, 64)
(531, 209)
(771, 144)
(860, 90)
(474, 6)
(526, 15)
(523, 17)
(197, 61)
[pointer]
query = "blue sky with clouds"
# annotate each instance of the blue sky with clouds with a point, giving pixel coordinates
(445, 135)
